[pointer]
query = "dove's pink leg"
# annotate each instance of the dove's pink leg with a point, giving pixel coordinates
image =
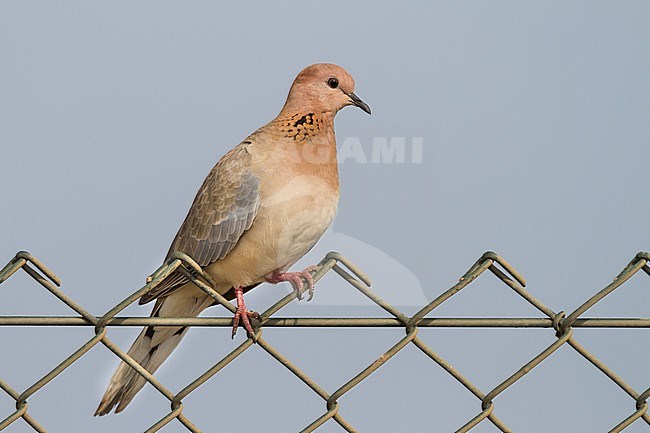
(296, 280)
(242, 313)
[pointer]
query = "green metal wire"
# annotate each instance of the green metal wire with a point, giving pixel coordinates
(561, 324)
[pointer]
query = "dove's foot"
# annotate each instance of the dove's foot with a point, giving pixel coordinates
(242, 314)
(296, 280)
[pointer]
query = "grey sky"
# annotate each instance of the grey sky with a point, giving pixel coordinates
(534, 125)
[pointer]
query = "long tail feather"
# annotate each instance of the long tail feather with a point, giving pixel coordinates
(150, 349)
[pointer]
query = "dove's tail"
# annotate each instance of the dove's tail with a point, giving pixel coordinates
(150, 349)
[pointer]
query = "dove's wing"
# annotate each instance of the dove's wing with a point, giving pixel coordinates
(223, 209)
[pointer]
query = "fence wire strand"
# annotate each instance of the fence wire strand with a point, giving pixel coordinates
(561, 323)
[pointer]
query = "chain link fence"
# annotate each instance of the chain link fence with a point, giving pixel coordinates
(558, 322)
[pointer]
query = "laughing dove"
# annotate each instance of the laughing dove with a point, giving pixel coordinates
(261, 208)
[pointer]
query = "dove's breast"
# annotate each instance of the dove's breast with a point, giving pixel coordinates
(296, 207)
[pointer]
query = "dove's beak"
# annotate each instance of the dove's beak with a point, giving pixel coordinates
(359, 103)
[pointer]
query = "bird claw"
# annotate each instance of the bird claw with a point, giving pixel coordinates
(297, 281)
(243, 314)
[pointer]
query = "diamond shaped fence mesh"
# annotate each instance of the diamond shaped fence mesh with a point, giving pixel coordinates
(559, 323)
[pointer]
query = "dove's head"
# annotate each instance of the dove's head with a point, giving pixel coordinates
(324, 88)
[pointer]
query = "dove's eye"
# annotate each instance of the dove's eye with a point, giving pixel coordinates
(333, 83)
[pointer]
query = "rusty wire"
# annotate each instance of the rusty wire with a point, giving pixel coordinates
(559, 322)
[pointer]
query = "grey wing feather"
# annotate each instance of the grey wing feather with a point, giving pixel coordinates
(223, 209)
